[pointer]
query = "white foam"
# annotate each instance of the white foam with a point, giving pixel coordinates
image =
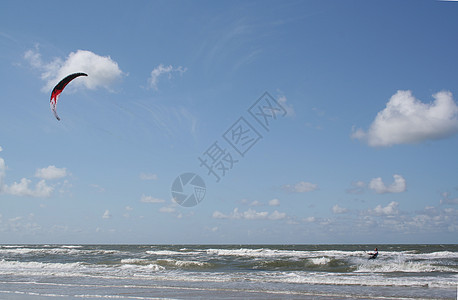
(163, 252)
(134, 261)
(40, 268)
(71, 246)
(145, 268)
(166, 263)
(407, 267)
(182, 263)
(320, 260)
(262, 252)
(15, 265)
(68, 250)
(437, 255)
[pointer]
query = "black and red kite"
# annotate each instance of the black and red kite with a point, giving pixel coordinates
(57, 90)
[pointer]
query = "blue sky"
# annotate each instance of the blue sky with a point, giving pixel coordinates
(361, 150)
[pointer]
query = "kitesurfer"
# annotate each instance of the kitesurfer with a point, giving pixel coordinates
(374, 254)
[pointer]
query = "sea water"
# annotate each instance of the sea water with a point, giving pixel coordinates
(228, 272)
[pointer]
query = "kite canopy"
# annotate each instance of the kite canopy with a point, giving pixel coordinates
(57, 90)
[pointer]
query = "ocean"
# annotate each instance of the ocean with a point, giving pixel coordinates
(228, 272)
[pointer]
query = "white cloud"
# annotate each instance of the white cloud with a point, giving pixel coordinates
(301, 187)
(357, 187)
(249, 214)
(255, 203)
(150, 199)
(218, 215)
(148, 176)
(406, 120)
(276, 215)
(390, 209)
(51, 172)
(398, 186)
(310, 219)
(106, 214)
(446, 199)
(388, 219)
(161, 70)
(22, 189)
(167, 209)
(339, 210)
(20, 224)
(2, 174)
(102, 70)
(288, 107)
(64, 186)
(274, 202)
(252, 214)
(97, 187)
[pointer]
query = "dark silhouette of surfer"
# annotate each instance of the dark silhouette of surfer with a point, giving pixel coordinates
(374, 254)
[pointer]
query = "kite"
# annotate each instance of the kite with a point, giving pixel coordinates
(58, 90)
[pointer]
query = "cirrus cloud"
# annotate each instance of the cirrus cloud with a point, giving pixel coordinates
(407, 120)
(161, 70)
